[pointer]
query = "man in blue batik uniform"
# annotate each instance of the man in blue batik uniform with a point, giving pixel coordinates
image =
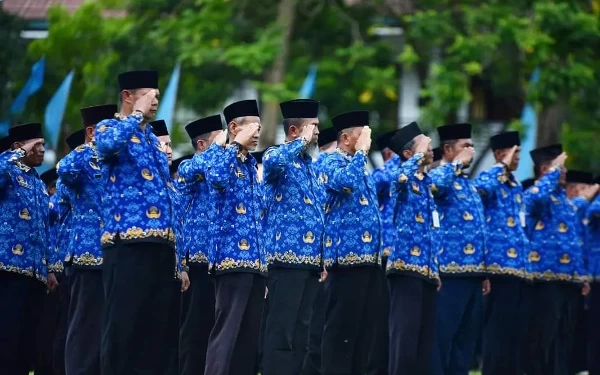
(556, 260)
(506, 307)
(462, 258)
(138, 237)
(412, 267)
(237, 254)
(352, 249)
(593, 244)
(27, 261)
(294, 238)
(197, 209)
(81, 172)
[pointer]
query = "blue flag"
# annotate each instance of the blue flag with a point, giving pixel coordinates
(33, 84)
(55, 110)
(4, 126)
(310, 83)
(529, 119)
(166, 108)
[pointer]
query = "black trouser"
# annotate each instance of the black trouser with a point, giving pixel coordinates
(290, 300)
(350, 320)
(86, 310)
(594, 330)
(60, 337)
(378, 361)
(544, 323)
(579, 359)
(565, 341)
(197, 320)
(21, 299)
(506, 315)
(138, 288)
(233, 341)
(412, 325)
(312, 359)
(172, 345)
(45, 331)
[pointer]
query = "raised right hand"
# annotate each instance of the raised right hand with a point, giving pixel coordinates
(221, 138)
(144, 104)
(508, 157)
(422, 146)
(560, 160)
(246, 135)
(364, 140)
(466, 155)
(308, 132)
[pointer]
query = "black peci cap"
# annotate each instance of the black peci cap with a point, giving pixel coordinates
(581, 177)
(352, 119)
(49, 176)
(138, 79)
(300, 108)
(383, 141)
(258, 155)
(175, 164)
(25, 132)
(204, 125)
(159, 128)
(528, 183)
(438, 152)
(546, 153)
(403, 136)
(505, 140)
(92, 115)
(76, 139)
(326, 136)
(454, 131)
(241, 109)
(5, 143)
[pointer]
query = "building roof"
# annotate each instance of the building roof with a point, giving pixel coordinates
(36, 9)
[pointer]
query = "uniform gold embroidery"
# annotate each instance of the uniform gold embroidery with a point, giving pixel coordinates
(153, 213)
(24, 214)
(18, 249)
(469, 249)
(147, 175)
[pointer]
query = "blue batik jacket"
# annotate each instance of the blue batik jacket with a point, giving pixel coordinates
(24, 220)
(60, 208)
(416, 245)
(138, 203)
(353, 223)
(196, 206)
(507, 243)
(237, 228)
(295, 219)
(462, 222)
(82, 173)
(383, 185)
(592, 221)
(553, 229)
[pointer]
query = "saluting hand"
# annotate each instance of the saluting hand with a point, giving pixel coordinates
(246, 135)
(144, 104)
(221, 138)
(589, 192)
(508, 157)
(422, 144)
(308, 132)
(560, 160)
(185, 281)
(466, 155)
(363, 143)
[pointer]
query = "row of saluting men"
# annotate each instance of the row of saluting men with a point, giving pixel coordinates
(319, 230)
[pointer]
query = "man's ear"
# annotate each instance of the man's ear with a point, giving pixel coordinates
(447, 149)
(407, 154)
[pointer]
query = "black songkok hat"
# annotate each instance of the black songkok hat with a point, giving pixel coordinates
(579, 177)
(241, 109)
(204, 125)
(138, 79)
(24, 132)
(528, 183)
(300, 108)
(326, 136)
(5, 143)
(175, 163)
(403, 136)
(505, 140)
(258, 155)
(352, 119)
(383, 141)
(438, 152)
(49, 176)
(454, 131)
(159, 128)
(76, 139)
(597, 180)
(92, 115)
(546, 153)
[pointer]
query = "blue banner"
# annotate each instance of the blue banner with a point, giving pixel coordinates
(55, 110)
(33, 84)
(529, 120)
(166, 108)
(310, 83)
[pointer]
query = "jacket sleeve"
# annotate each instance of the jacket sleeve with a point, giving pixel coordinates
(344, 178)
(70, 167)
(593, 211)
(540, 193)
(277, 158)
(112, 135)
(443, 177)
(7, 160)
(222, 167)
(488, 181)
(400, 176)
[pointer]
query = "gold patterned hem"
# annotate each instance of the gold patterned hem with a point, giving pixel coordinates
(87, 259)
(22, 271)
(353, 259)
(496, 269)
(400, 265)
(135, 233)
(199, 258)
(229, 264)
(551, 276)
(57, 267)
(454, 267)
(293, 258)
